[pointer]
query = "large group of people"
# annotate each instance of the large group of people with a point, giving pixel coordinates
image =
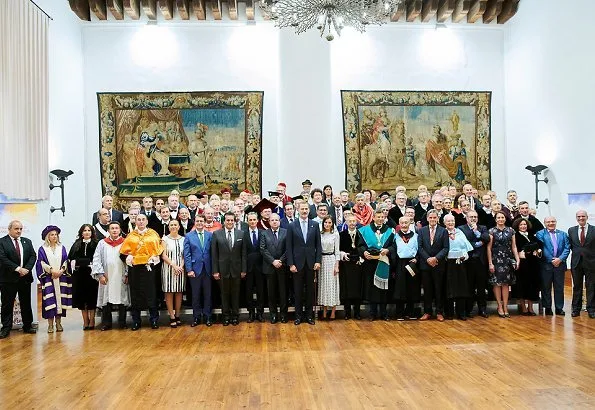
(446, 251)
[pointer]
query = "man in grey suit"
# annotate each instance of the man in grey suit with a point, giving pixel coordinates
(582, 263)
(304, 255)
(273, 250)
(229, 259)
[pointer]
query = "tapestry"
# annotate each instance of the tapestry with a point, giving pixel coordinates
(410, 138)
(153, 143)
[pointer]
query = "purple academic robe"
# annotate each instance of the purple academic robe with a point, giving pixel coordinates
(48, 300)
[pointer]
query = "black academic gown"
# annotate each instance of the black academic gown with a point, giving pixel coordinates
(369, 291)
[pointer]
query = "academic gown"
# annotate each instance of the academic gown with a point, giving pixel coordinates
(370, 292)
(350, 272)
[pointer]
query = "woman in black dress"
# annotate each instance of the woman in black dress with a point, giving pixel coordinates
(350, 269)
(84, 287)
(528, 282)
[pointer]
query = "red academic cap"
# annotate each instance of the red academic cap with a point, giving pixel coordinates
(226, 190)
(282, 184)
(247, 191)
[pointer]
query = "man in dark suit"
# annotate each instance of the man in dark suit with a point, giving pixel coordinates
(147, 208)
(304, 255)
(115, 215)
(273, 250)
(582, 264)
(468, 193)
(17, 258)
(477, 264)
(289, 216)
(254, 275)
(101, 226)
(556, 248)
(317, 195)
(422, 206)
(536, 224)
(398, 211)
(197, 260)
(228, 256)
(433, 248)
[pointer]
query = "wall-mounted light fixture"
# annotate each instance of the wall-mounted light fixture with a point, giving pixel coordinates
(62, 176)
(536, 171)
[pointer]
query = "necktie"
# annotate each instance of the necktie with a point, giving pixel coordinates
(432, 233)
(554, 243)
(290, 220)
(582, 235)
(18, 249)
(276, 237)
(254, 238)
(304, 230)
(201, 239)
(229, 240)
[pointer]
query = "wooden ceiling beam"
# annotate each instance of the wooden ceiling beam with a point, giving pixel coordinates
(233, 9)
(400, 12)
(216, 9)
(167, 8)
(250, 9)
(150, 8)
(413, 10)
(461, 10)
(81, 9)
(132, 8)
(445, 9)
(99, 8)
(183, 9)
(477, 10)
(429, 10)
(200, 9)
(115, 7)
(509, 9)
(493, 11)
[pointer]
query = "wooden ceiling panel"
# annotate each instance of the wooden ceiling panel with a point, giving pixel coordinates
(167, 8)
(183, 9)
(200, 9)
(99, 8)
(461, 10)
(116, 8)
(413, 10)
(509, 9)
(429, 10)
(132, 8)
(493, 10)
(445, 9)
(150, 8)
(81, 9)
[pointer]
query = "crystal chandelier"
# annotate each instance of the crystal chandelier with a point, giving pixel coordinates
(328, 16)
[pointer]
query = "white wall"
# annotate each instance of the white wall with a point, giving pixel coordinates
(301, 76)
(233, 58)
(549, 87)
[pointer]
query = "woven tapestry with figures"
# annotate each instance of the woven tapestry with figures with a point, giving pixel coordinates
(153, 143)
(411, 138)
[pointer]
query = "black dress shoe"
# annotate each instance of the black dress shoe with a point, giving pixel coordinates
(123, 326)
(4, 333)
(283, 319)
(235, 322)
(347, 316)
(250, 317)
(575, 314)
(549, 312)
(30, 331)
(560, 312)
(311, 321)
(135, 327)
(297, 321)
(385, 317)
(357, 317)
(195, 323)
(226, 322)
(209, 321)
(372, 318)
(591, 315)
(259, 317)
(154, 325)
(273, 319)
(483, 313)
(462, 317)
(105, 327)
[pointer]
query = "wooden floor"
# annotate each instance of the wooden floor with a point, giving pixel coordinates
(516, 363)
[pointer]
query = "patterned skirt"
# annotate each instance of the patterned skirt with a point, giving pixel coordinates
(328, 283)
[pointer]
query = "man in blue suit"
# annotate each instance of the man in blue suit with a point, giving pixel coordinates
(304, 255)
(556, 248)
(197, 259)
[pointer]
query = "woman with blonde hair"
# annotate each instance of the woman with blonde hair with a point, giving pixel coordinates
(52, 272)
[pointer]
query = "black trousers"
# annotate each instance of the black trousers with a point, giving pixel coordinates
(477, 279)
(578, 275)
(433, 283)
(377, 309)
(301, 279)
(460, 308)
(106, 315)
(356, 303)
(255, 278)
(230, 297)
(276, 284)
(9, 292)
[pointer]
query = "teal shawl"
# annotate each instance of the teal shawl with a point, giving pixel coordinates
(375, 242)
